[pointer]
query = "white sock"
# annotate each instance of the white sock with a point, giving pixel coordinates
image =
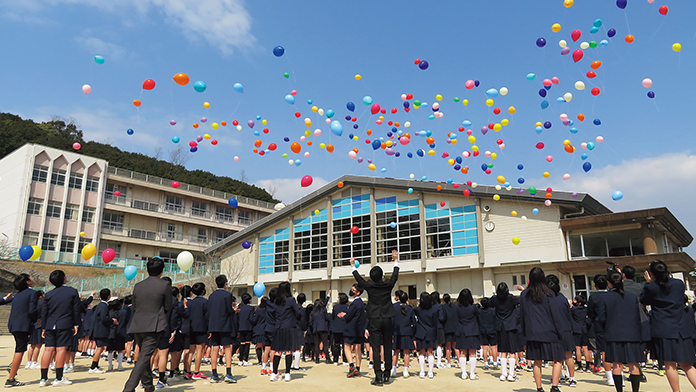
(439, 355)
(610, 376)
(120, 359)
(472, 365)
(110, 356)
(296, 358)
(462, 365)
(512, 366)
(421, 362)
(263, 366)
(503, 366)
(431, 362)
(567, 372)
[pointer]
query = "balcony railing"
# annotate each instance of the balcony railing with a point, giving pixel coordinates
(188, 187)
(163, 236)
(48, 256)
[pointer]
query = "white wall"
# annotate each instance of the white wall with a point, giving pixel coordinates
(15, 176)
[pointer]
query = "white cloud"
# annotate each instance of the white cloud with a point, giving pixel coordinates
(289, 190)
(107, 49)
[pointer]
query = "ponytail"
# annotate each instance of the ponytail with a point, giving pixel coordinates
(403, 297)
(659, 271)
(616, 281)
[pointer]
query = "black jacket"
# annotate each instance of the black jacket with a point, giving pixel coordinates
(379, 304)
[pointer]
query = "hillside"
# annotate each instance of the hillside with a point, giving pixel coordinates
(15, 132)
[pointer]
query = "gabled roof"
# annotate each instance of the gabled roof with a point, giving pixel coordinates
(577, 200)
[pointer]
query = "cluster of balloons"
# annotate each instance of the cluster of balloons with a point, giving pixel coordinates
(29, 252)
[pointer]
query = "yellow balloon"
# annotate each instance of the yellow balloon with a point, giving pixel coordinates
(358, 77)
(206, 105)
(36, 254)
(307, 133)
(472, 139)
(566, 142)
(307, 123)
(438, 97)
(496, 197)
(676, 47)
(206, 136)
(389, 143)
(538, 124)
(516, 240)
(355, 138)
(82, 234)
(431, 152)
(474, 148)
(494, 155)
(568, 3)
(215, 126)
(501, 179)
(489, 102)
(407, 124)
(264, 122)
(513, 213)
(322, 145)
(505, 122)
(465, 102)
(512, 110)
(451, 161)
(497, 127)
(454, 142)
(546, 174)
(315, 109)
(562, 43)
(372, 167)
(568, 97)
(316, 212)
(556, 27)
(88, 251)
(579, 85)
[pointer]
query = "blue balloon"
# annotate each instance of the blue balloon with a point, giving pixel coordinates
(350, 106)
(355, 126)
(560, 100)
(238, 87)
(309, 102)
(258, 117)
(376, 144)
(286, 139)
(617, 195)
(347, 118)
(233, 202)
(544, 104)
(520, 180)
(336, 128)
(330, 113)
(611, 33)
(477, 83)
(466, 123)
(594, 30)
(357, 264)
(406, 104)
(573, 130)
(290, 99)
(651, 94)
(130, 131)
(520, 166)
(367, 100)
(199, 86)
(597, 121)
(597, 23)
(278, 51)
(423, 65)
(484, 167)
(298, 162)
(547, 124)
(492, 93)
(535, 211)
(193, 149)
(457, 167)
(542, 92)
(99, 59)
(410, 155)
(531, 76)
(26, 252)
(176, 139)
(259, 289)
(392, 225)
(410, 190)
(587, 166)
(603, 43)
(590, 146)
(541, 42)
(419, 152)
(583, 156)
(622, 4)
(246, 244)
(539, 130)
(130, 272)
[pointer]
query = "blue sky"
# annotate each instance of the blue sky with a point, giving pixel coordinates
(647, 150)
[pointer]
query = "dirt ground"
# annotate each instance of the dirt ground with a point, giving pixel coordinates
(325, 377)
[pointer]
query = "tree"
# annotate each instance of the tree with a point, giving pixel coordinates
(243, 177)
(178, 156)
(272, 189)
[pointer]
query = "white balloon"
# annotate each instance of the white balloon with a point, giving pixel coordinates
(185, 260)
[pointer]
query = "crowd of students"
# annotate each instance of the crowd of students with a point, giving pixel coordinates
(611, 330)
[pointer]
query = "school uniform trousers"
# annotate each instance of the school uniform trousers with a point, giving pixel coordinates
(338, 328)
(319, 319)
(198, 316)
(60, 315)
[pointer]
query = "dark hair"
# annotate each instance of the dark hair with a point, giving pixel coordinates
(660, 273)
(186, 291)
(629, 272)
(358, 288)
(246, 298)
(263, 302)
(553, 283)
(175, 292)
(397, 293)
(502, 291)
(308, 312)
(39, 293)
(318, 306)
(484, 303)
(465, 298)
(198, 288)
(57, 278)
(580, 299)
(21, 282)
(220, 281)
(233, 299)
(128, 300)
(426, 300)
(537, 285)
(283, 293)
(155, 266)
(600, 281)
(403, 297)
(376, 273)
(301, 298)
(616, 280)
(273, 294)
(342, 298)
(168, 279)
(104, 294)
(115, 305)
(447, 299)
(436, 297)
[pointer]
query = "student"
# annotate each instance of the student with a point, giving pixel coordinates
(161, 356)
(285, 339)
(467, 333)
(185, 330)
(35, 340)
(319, 319)
(450, 328)
(580, 333)
(353, 337)
(560, 310)
(543, 337)
(117, 334)
(259, 322)
(631, 286)
(198, 315)
(338, 327)
(506, 324)
(670, 344)
(128, 307)
(220, 312)
(404, 332)
(101, 328)
(488, 337)
(60, 320)
(441, 319)
(269, 332)
(623, 332)
(426, 333)
(246, 329)
(176, 346)
(595, 306)
(23, 314)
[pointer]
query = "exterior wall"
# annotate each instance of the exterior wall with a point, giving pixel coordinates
(15, 193)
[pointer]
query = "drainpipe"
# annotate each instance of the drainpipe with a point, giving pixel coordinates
(579, 213)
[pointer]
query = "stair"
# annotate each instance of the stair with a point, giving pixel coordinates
(4, 316)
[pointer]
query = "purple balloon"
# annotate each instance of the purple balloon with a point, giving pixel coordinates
(565, 51)
(360, 159)
(520, 191)
(369, 161)
(251, 123)
(204, 120)
(172, 122)
(476, 83)
(484, 130)
(390, 151)
(574, 194)
(199, 138)
(651, 94)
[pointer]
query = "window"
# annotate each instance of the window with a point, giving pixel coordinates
(58, 177)
(144, 205)
(40, 173)
(81, 244)
(173, 232)
(224, 214)
(92, 184)
(112, 221)
(53, 209)
(88, 214)
(34, 207)
(111, 188)
(168, 256)
(219, 235)
(581, 285)
(451, 231)
(174, 204)
(200, 235)
(398, 227)
(142, 234)
(606, 244)
(200, 209)
(49, 242)
(348, 212)
(75, 181)
(67, 245)
(30, 238)
(72, 211)
(311, 243)
(274, 252)
(244, 217)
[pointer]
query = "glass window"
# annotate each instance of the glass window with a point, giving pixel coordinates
(200, 209)
(347, 245)
(311, 247)
(173, 232)
(67, 245)
(595, 245)
(438, 237)
(224, 214)
(53, 209)
(75, 181)
(281, 259)
(111, 188)
(398, 227)
(112, 221)
(244, 217)
(92, 184)
(72, 211)
(580, 285)
(219, 235)
(201, 235)
(30, 238)
(81, 244)
(49, 242)
(450, 231)
(40, 173)
(142, 234)
(169, 256)
(88, 214)
(34, 206)
(274, 252)
(58, 177)
(174, 204)
(576, 246)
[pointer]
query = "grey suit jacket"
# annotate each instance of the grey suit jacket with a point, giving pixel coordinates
(152, 302)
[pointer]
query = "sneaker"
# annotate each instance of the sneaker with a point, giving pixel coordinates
(464, 376)
(430, 375)
(406, 374)
(610, 382)
(530, 368)
(188, 376)
(299, 369)
(13, 383)
(247, 363)
(29, 364)
(512, 378)
(35, 366)
(503, 377)
(264, 372)
(61, 382)
(43, 382)
(660, 372)
(274, 377)
(346, 364)
(473, 376)
(53, 366)
(214, 378)
(485, 366)
(69, 368)
(120, 368)
(555, 388)
(655, 367)
(240, 364)
(161, 385)
(230, 379)
(287, 377)
(335, 363)
(198, 376)
(173, 378)
(96, 370)
(393, 372)
(564, 379)
(572, 383)
(449, 365)
(353, 373)
(371, 365)
(421, 374)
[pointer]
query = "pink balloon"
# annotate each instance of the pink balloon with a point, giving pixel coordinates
(577, 55)
(353, 154)
(108, 255)
(647, 83)
(76, 146)
(575, 35)
(547, 83)
(117, 193)
(549, 158)
(86, 89)
(403, 97)
(404, 141)
(554, 80)
(470, 84)
(375, 108)
(175, 184)
(306, 181)
(599, 139)
(566, 177)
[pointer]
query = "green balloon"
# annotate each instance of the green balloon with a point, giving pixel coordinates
(416, 103)
(593, 44)
(287, 75)
(490, 165)
(532, 190)
(456, 99)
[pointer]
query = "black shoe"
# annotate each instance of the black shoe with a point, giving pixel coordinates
(13, 383)
(554, 388)
(643, 378)
(377, 381)
(540, 389)
(386, 378)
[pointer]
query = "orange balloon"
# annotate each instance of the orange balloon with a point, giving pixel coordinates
(430, 140)
(295, 147)
(383, 146)
(369, 132)
(630, 38)
(224, 123)
(136, 103)
(596, 64)
(581, 117)
(309, 142)
(195, 125)
(258, 143)
(396, 124)
(408, 135)
(465, 170)
(548, 195)
(340, 184)
(181, 79)
(256, 150)
(569, 149)
(439, 187)
(356, 150)
(330, 148)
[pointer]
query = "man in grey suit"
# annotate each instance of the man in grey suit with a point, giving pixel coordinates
(152, 302)
(631, 286)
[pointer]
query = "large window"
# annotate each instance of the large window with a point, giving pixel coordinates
(49, 242)
(34, 206)
(628, 243)
(53, 209)
(199, 209)
(168, 256)
(398, 227)
(274, 252)
(198, 235)
(81, 244)
(350, 211)
(111, 188)
(311, 243)
(58, 177)
(112, 221)
(92, 184)
(72, 211)
(174, 204)
(30, 238)
(219, 235)
(75, 181)
(244, 217)
(173, 232)
(40, 173)
(450, 231)
(88, 214)
(67, 245)
(225, 214)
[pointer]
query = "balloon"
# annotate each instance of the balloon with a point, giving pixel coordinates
(246, 244)
(176, 139)
(423, 65)
(651, 94)
(129, 131)
(82, 234)
(290, 99)
(232, 202)
(336, 128)
(577, 55)
(357, 264)
(76, 146)
(375, 108)
(587, 166)
(630, 39)
(330, 113)
(148, 84)
(611, 33)
(175, 184)
(492, 93)
(676, 47)
(99, 59)
(238, 87)
(130, 272)
(306, 181)
(259, 289)
(367, 100)
(88, 251)
(86, 89)
(556, 27)
(117, 193)
(579, 85)
(278, 51)
(181, 79)
(621, 3)
(575, 35)
(136, 103)
(535, 211)
(663, 11)
(541, 42)
(595, 91)
(26, 252)
(251, 123)
(516, 240)
(35, 253)
(108, 255)
(647, 83)
(617, 195)
(199, 86)
(295, 147)
(354, 229)
(350, 106)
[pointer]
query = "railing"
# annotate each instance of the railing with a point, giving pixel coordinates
(163, 236)
(188, 187)
(67, 258)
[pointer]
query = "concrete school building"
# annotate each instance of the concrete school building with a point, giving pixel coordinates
(446, 241)
(49, 196)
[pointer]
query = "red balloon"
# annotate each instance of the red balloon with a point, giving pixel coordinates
(591, 74)
(466, 192)
(117, 193)
(540, 145)
(577, 55)
(175, 184)
(409, 96)
(383, 111)
(272, 146)
(235, 123)
(375, 108)
(148, 84)
(595, 91)
(576, 35)
(214, 142)
(664, 10)
(442, 204)
(354, 229)
(417, 61)
(393, 110)
(306, 181)
(496, 110)
(297, 114)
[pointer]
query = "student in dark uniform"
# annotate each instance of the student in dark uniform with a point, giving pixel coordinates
(285, 339)
(622, 326)
(128, 305)
(451, 326)
(665, 295)
(404, 332)
(259, 322)
(353, 337)
(23, 314)
(220, 314)
(631, 286)
(177, 341)
(246, 329)
(468, 333)
(506, 324)
(319, 319)
(560, 309)
(161, 356)
(542, 335)
(35, 340)
(60, 318)
(304, 334)
(117, 334)
(441, 319)
(101, 327)
(338, 327)
(595, 306)
(198, 316)
(580, 334)
(269, 332)
(185, 330)
(488, 337)
(426, 333)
